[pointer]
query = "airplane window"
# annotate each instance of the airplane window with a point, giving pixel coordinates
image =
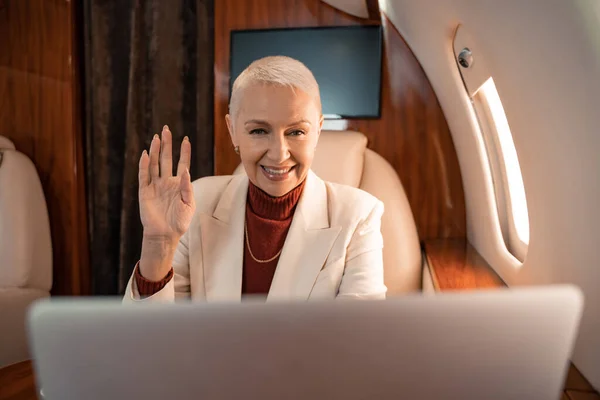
(506, 172)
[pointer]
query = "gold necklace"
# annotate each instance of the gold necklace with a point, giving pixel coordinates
(250, 250)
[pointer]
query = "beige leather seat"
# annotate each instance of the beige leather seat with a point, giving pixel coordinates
(25, 249)
(343, 157)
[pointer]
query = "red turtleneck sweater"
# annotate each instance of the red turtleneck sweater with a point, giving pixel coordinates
(268, 219)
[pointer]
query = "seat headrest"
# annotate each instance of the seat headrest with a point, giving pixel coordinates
(25, 242)
(6, 143)
(340, 157)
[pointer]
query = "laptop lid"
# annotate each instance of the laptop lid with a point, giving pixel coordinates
(502, 344)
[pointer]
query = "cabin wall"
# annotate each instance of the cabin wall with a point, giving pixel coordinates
(412, 133)
(40, 113)
(544, 57)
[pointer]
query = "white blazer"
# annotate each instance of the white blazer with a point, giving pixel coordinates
(333, 248)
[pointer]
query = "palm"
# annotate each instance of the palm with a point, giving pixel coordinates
(162, 209)
(166, 201)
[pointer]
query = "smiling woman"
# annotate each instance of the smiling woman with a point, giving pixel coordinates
(277, 230)
(276, 132)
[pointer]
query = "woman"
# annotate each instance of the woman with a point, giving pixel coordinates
(277, 230)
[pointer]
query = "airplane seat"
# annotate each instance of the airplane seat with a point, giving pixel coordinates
(25, 249)
(343, 157)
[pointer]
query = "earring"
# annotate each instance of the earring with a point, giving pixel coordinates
(237, 149)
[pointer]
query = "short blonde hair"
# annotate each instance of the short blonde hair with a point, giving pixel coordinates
(275, 70)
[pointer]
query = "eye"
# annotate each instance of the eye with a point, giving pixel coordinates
(296, 133)
(258, 131)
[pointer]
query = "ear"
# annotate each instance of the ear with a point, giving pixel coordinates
(321, 119)
(230, 129)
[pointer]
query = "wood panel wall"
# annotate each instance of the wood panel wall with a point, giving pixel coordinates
(412, 133)
(40, 112)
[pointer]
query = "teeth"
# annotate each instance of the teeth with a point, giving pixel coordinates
(277, 171)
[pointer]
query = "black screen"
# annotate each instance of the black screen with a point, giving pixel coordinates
(346, 61)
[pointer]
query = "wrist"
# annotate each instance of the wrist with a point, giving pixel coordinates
(160, 241)
(157, 256)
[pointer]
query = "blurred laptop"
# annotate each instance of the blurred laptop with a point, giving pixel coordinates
(502, 344)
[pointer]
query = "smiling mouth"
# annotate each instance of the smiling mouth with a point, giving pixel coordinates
(277, 171)
(277, 174)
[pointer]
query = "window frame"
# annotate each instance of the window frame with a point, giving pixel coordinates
(488, 129)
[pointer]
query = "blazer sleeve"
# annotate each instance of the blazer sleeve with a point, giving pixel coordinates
(177, 288)
(363, 272)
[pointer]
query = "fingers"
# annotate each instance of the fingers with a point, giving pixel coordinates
(166, 153)
(143, 174)
(184, 157)
(161, 149)
(185, 186)
(154, 153)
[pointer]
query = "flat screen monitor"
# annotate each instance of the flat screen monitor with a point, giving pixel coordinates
(346, 61)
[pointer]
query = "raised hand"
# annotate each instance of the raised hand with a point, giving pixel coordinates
(166, 201)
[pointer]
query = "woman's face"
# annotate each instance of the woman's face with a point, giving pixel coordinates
(277, 130)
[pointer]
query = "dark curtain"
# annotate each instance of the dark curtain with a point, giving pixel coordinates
(147, 64)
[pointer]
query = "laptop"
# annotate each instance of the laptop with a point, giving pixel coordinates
(500, 344)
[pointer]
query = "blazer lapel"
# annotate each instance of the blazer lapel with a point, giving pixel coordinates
(223, 243)
(307, 244)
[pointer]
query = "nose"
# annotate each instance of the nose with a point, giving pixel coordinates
(279, 149)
